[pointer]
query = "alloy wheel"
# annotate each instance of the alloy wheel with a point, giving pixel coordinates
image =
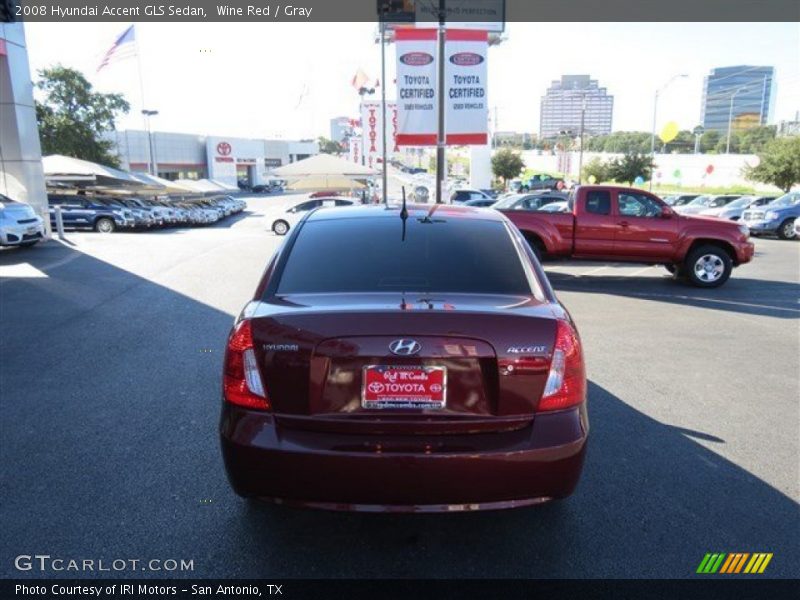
(709, 268)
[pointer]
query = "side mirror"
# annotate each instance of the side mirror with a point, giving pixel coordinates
(666, 212)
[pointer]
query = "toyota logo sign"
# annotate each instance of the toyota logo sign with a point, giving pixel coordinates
(223, 148)
(405, 347)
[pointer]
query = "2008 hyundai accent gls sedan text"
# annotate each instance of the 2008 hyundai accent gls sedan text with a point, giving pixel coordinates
(404, 359)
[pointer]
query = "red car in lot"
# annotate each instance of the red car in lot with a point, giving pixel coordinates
(612, 223)
(408, 360)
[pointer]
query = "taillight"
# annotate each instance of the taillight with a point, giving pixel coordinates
(566, 381)
(241, 381)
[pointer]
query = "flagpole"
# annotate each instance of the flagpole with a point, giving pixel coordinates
(145, 119)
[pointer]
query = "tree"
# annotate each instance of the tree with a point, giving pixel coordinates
(596, 168)
(779, 163)
(72, 117)
(631, 166)
(507, 164)
(709, 140)
(755, 139)
(327, 146)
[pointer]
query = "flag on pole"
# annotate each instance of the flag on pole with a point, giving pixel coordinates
(360, 79)
(123, 47)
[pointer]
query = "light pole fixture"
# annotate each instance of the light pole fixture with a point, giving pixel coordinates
(580, 156)
(730, 117)
(151, 167)
(655, 113)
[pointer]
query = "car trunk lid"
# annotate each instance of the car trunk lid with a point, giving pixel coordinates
(491, 354)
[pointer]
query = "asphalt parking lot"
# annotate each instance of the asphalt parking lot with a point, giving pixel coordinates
(110, 369)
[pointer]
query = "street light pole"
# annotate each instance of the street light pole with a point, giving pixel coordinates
(730, 118)
(580, 155)
(152, 163)
(441, 164)
(655, 112)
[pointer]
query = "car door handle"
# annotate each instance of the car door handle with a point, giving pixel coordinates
(623, 224)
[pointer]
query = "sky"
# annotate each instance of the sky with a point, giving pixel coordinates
(287, 81)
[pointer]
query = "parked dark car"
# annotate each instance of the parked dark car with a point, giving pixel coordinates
(530, 201)
(437, 372)
(84, 212)
(776, 218)
(679, 199)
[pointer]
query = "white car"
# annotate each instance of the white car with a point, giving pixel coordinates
(19, 224)
(290, 217)
(556, 207)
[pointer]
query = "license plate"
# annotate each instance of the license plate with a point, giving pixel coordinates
(403, 387)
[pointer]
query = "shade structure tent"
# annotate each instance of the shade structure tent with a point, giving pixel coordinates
(224, 187)
(322, 165)
(206, 186)
(163, 186)
(59, 169)
(325, 182)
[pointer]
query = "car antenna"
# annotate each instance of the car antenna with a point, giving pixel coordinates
(404, 214)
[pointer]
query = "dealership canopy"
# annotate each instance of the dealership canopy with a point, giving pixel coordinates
(164, 185)
(83, 173)
(323, 165)
(325, 182)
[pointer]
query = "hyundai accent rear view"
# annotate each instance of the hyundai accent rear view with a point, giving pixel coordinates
(404, 360)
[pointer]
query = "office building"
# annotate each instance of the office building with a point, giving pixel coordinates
(564, 101)
(740, 97)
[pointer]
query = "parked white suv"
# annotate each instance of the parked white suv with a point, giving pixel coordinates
(19, 224)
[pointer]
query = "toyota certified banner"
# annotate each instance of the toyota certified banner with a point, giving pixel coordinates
(417, 102)
(371, 120)
(466, 111)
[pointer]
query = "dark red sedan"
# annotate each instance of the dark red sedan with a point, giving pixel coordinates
(404, 360)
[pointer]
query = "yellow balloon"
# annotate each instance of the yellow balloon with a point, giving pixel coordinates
(669, 133)
(592, 178)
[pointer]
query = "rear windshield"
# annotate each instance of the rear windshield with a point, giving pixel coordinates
(368, 255)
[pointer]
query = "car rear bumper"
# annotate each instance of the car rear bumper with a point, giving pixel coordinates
(420, 473)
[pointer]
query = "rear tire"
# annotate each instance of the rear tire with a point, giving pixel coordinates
(786, 230)
(104, 225)
(280, 227)
(708, 266)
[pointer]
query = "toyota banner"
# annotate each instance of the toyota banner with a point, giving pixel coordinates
(466, 109)
(466, 112)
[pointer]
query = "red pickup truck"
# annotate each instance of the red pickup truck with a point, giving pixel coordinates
(610, 223)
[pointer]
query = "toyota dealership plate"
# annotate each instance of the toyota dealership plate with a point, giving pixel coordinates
(403, 387)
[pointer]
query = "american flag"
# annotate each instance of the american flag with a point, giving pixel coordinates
(123, 47)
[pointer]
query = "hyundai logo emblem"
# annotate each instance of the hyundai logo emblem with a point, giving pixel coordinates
(405, 347)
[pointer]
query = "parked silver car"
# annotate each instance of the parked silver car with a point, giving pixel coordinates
(733, 211)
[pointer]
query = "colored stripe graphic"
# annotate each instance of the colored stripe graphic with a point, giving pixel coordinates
(711, 562)
(730, 563)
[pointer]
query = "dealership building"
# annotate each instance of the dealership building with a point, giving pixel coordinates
(189, 156)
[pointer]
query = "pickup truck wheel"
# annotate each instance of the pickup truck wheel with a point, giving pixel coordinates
(708, 266)
(786, 230)
(280, 227)
(104, 225)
